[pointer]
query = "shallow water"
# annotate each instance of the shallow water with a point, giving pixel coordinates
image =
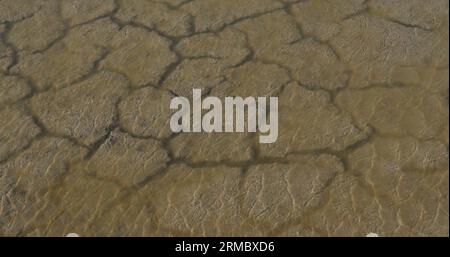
(86, 147)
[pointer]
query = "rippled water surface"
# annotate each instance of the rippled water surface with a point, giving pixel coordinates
(86, 147)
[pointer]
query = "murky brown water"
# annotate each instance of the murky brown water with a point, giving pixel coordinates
(85, 143)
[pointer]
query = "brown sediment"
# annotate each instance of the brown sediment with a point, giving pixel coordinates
(86, 147)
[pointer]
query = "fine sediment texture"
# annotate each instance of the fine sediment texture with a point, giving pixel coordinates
(86, 147)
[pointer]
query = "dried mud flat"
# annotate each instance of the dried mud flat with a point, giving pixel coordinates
(85, 146)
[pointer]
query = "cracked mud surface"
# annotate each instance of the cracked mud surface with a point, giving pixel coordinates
(85, 144)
